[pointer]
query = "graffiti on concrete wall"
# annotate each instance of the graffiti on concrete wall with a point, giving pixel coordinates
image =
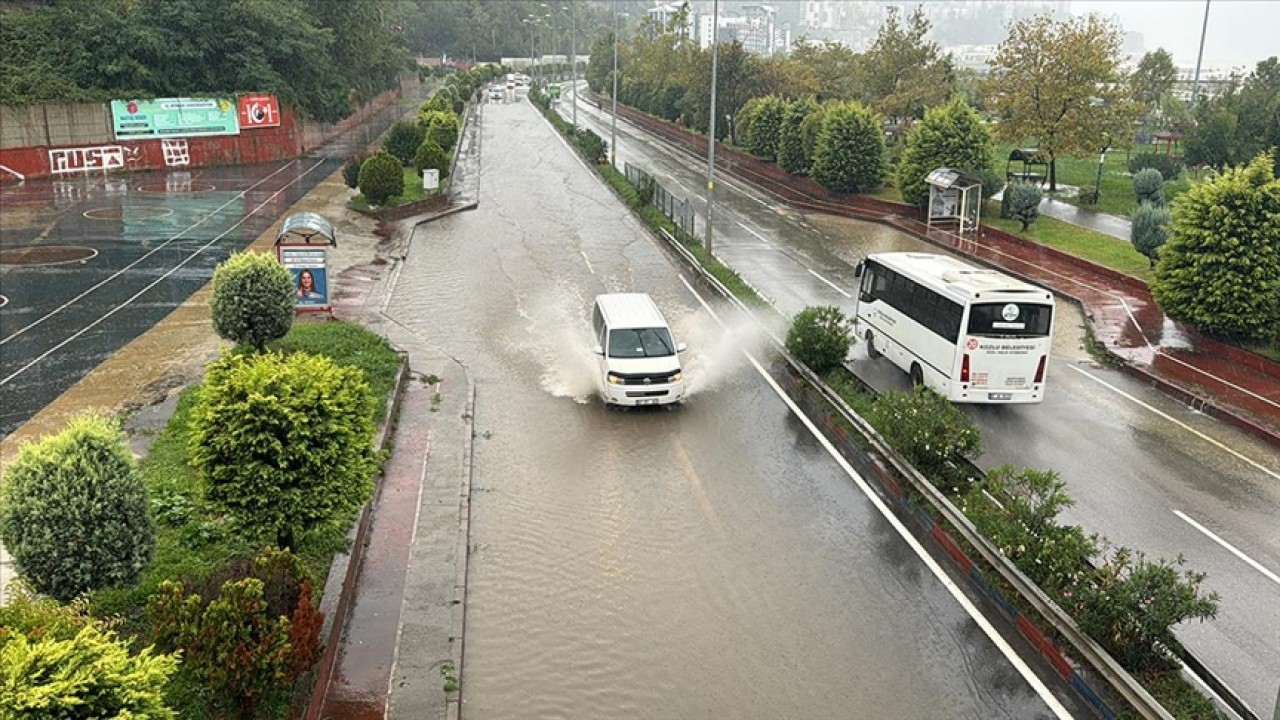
(64, 161)
(176, 152)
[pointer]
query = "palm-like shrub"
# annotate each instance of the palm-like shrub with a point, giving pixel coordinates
(819, 337)
(849, 155)
(253, 299)
(381, 178)
(284, 443)
(74, 512)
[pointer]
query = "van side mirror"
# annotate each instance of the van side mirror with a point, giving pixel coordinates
(598, 350)
(857, 269)
(681, 347)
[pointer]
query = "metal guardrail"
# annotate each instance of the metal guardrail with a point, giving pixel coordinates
(678, 209)
(1088, 649)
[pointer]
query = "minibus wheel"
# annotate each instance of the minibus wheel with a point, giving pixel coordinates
(872, 352)
(917, 375)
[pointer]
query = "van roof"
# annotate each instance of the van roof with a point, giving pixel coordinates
(630, 310)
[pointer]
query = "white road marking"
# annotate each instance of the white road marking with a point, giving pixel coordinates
(1030, 677)
(1230, 548)
(238, 196)
(833, 285)
(763, 239)
(587, 260)
(1176, 421)
(155, 282)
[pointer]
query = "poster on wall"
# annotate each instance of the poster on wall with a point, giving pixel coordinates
(258, 111)
(173, 117)
(308, 265)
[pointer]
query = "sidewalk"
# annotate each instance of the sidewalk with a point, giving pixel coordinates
(1105, 223)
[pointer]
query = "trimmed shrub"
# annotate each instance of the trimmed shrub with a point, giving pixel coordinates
(73, 510)
(849, 155)
(1220, 270)
(1021, 202)
(791, 155)
(1149, 230)
(253, 299)
(992, 183)
(431, 155)
(926, 429)
(351, 169)
(247, 633)
(439, 101)
(91, 675)
(443, 130)
(1170, 167)
(810, 128)
(381, 178)
(284, 442)
(950, 136)
(427, 117)
(1148, 185)
(745, 119)
(592, 146)
(761, 136)
(403, 140)
(819, 337)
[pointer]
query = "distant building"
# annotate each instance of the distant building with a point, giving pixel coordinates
(664, 13)
(972, 57)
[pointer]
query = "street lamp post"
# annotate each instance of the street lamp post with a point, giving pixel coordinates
(613, 122)
(711, 134)
(573, 49)
(1195, 83)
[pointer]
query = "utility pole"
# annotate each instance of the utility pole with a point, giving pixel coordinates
(613, 123)
(711, 134)
(573, 49)
(1195, 84)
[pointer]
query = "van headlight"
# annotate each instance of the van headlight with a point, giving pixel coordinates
(677, 377)
(614, 379)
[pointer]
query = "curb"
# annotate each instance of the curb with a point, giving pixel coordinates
(457, 638)
(345, 568)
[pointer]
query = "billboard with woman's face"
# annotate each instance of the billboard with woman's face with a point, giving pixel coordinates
(310, 286)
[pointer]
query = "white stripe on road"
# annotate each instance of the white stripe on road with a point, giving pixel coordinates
(763, 239)
(155, 282)
(1230, 548)
(1014, 659)
(1175, 421)
(833, 285)
(587, 260)
(149, 253)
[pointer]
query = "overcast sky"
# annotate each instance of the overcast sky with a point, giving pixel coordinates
(1241, 32)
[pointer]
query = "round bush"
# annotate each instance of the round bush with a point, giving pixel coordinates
(443, 130)
(252, 299)
(351, 169)
(284, 442)
(1148, 184)
(403, 139)
(381, 178)
(819, 337)
(1021, 202)
(849, 154)
(73, 511)
(430, 155)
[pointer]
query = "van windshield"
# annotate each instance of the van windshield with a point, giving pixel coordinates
(640, 342)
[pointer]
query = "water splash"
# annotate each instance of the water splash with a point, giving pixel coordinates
(716, 348)
(557, 336)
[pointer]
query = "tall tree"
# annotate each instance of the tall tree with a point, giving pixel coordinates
(835, 65)
(1059, 83)
(1220, 270)
(1258, 108)
(1153, 78)
(903, 73)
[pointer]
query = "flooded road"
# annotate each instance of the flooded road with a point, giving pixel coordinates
(711, 561)
(1146, 471)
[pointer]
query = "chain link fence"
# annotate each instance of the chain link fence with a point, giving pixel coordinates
(678, 209)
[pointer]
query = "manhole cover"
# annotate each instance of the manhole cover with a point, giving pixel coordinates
(46, 255)
(176, 187)
(128, 212)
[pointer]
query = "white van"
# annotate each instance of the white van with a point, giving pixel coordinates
(639, 361)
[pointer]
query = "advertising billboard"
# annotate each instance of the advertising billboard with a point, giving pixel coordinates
(173, 117)
(258, 111)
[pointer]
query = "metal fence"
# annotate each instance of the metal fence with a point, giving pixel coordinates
(678, 209)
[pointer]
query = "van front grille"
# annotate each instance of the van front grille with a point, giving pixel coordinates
(645, 378)
(645, 393)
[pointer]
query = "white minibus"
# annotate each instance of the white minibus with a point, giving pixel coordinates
(638, 360)
(971, 334)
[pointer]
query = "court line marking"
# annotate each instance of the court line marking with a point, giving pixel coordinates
(834, 286)
(1175, 421)
(1230, 548)
(238, 196)
(157, 281)
(1027, 674)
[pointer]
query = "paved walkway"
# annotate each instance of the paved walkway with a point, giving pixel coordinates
(1105, 223)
